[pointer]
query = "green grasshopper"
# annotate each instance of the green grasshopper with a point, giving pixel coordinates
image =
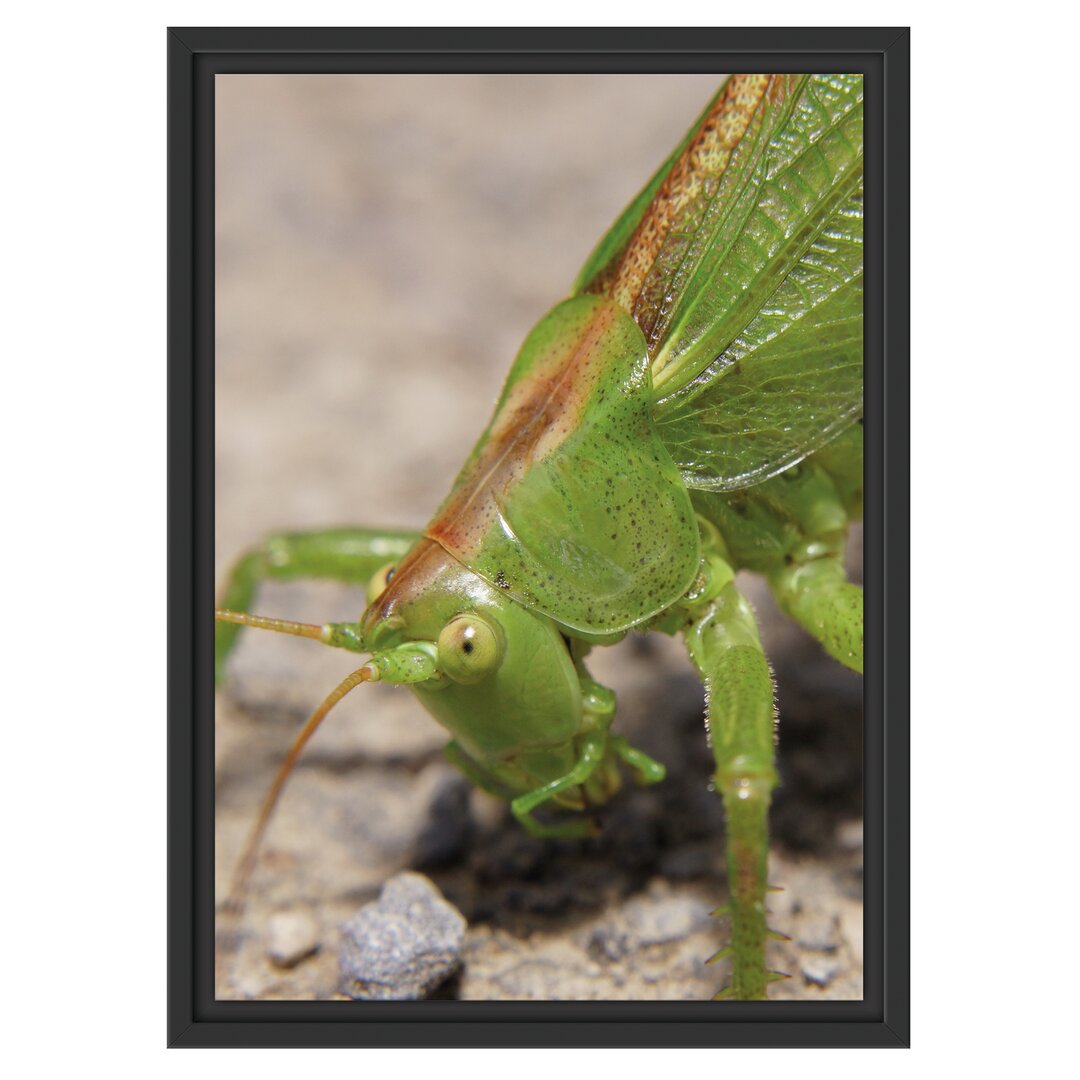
(691, 410)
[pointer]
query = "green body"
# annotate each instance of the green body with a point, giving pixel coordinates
(692, 410)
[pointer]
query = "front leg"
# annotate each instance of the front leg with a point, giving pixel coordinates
(723, 641)
(350, 556)
(522, 806)
(591, 754)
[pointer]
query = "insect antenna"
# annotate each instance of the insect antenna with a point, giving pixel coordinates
(260, 622)
(234, 904)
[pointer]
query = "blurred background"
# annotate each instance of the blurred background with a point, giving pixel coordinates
(384, 244)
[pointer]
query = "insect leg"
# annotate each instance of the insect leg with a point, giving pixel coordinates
(724, 645)
(348, 555)
(646, 770)
(585, 769)
(592, 753)
(817, 594)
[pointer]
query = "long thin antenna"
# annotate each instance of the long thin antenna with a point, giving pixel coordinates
(235, 902)
(282, 626)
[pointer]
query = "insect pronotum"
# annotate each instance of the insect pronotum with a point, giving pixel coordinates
(375, 277)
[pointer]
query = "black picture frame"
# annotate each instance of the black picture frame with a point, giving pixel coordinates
(195, 56)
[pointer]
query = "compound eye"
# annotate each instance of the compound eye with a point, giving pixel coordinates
(470, 648)
(380, 579)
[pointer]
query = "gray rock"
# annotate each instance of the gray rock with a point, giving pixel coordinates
(819, 970)
(609, 943)
(294, 936)
(403, 945)
(655, 920)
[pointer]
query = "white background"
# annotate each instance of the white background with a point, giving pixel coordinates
(82, 433)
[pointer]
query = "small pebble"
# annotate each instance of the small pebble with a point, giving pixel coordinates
(293, 936)
(402, 946)
(819, 970)
(657, 921)
(608, 943)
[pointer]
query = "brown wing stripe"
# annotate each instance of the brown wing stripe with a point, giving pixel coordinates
(536, 418)
(707, 154)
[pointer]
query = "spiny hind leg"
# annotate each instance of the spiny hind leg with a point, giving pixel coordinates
(724, 645)
(348, 555)
(816, 593)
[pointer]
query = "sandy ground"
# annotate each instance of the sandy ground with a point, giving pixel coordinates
(384, 245)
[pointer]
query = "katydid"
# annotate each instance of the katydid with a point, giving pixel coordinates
(691, 410)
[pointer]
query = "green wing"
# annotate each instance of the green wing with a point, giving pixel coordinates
(742, 263)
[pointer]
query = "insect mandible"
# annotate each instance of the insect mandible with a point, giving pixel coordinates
(573, 522)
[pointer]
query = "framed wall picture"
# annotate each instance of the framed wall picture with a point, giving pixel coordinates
(698, 449)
